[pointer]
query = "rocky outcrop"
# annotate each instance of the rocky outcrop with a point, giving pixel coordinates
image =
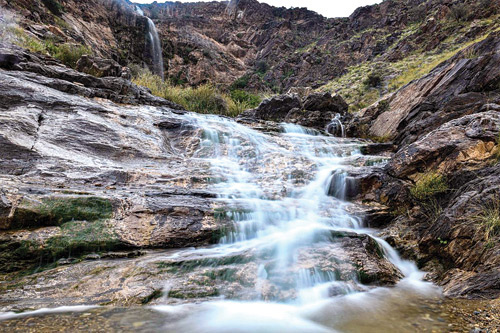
(466, 143)
(66, 160)
(316, 110)
(100, 67)
(33, 67)
(463, 85)
(85, 178)
(447, 125)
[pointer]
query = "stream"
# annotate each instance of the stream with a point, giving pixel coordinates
(305, 246)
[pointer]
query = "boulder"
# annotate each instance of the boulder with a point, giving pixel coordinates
(99, 67)
(316, 110)
(276, 108)
(325, 102)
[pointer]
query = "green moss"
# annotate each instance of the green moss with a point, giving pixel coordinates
(154, 295)
(190, 265)
(56, 211)
(78, 238)
(225, 274)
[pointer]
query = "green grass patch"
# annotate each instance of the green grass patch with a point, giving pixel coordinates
(429, 185)
(67, 53)
(205, 98)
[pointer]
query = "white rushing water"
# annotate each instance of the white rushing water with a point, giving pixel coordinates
(154, 44)
(285, 193)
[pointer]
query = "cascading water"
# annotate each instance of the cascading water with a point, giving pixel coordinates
(292, 259)
(154, 44)
(278, 191)
(336, 127)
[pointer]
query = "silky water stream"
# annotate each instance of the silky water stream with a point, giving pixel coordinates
(295, 250)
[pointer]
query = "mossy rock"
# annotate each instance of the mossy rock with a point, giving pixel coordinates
(55, 211)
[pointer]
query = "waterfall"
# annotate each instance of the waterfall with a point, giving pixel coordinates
(336, 127)
(154, 44)
(286, 195)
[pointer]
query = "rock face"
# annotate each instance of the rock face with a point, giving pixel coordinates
(446, 123)
(316, 110)
(99, 164)
(63, 150)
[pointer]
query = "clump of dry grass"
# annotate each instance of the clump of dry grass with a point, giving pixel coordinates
(489, 217)
(428, 185)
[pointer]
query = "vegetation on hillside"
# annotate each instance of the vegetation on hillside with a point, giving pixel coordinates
(205, 98)
(67, 53)
(364, 84)
(426, 191)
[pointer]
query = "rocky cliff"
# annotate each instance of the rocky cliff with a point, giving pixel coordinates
(258, 47)
(441, 183)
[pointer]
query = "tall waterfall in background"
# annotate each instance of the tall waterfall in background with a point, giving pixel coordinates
(153, 41)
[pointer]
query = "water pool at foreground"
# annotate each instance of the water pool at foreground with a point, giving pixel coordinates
(397, 311)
